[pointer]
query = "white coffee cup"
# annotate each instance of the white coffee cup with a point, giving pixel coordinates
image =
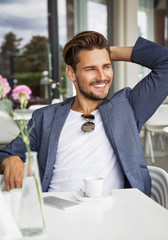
(93, 186)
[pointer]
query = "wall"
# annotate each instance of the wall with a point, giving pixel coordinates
(125, 34)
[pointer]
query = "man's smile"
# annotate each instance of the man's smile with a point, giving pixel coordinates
(100, 85)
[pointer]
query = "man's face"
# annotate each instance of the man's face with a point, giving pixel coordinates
(94, 74)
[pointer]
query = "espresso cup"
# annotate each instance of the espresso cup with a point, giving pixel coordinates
(93, 186)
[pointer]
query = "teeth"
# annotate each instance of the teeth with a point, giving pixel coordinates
(99, 85)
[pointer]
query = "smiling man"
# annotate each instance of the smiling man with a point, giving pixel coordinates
(89, 134)
(93, 75)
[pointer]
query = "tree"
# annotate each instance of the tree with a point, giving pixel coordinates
(34, 56)
(11, 44)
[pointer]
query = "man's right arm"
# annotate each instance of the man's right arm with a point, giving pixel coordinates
(120, 53)
(151, 91)
(12, 157)
(13, 169)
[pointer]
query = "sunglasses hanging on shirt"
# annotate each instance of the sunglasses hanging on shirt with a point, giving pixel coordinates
(88, 126)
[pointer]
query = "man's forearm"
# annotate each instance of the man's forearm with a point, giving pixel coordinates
(120, 53)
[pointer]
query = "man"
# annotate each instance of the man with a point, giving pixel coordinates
(89, 135)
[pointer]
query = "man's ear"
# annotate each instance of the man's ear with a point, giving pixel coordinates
(70, 73)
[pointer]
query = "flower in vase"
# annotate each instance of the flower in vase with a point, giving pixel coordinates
(22, 94)
(4, 87)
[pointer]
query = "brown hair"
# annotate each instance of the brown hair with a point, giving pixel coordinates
(87, 40)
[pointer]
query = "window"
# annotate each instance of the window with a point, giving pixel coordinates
(28, 46)
(24, 45)
(160, 21)
(97, 16)
(75, 16)
(145, 27)
(153, 23)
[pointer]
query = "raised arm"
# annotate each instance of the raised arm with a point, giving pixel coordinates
(120, 53)
(151, 91)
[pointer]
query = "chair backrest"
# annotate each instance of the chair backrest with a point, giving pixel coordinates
(37, 106)
(159, 188)
(160, 117)
(8, 128)
(55, 100)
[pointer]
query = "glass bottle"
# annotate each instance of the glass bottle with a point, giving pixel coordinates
(31, 213)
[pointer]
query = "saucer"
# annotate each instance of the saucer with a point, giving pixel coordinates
(81, 196)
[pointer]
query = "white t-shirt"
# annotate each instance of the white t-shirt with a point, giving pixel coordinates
(83, 155)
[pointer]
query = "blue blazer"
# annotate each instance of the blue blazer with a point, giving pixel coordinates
(123, 117)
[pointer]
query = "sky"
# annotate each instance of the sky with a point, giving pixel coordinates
(25, 18)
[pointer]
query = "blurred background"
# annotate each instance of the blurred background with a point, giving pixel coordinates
(33, 34)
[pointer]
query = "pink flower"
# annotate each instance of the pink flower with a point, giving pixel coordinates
(20, 90)
(53, 85)
(4, 87)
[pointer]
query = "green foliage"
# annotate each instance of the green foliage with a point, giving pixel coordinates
(34, 56)
(31, 60)
(32, 80)
(63, 80)
(11, 44)
(28, 78)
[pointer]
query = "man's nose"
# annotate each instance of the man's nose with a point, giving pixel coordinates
(101, 74)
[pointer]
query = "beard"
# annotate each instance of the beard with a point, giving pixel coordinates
(90, 95)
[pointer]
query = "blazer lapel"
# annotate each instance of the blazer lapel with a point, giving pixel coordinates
(58, 123)
(121, 131)
(61, 114)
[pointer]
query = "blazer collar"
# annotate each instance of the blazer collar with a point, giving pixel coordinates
(61, 114)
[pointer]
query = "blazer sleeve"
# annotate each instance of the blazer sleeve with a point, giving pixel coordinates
(17, 147)
(151, 91)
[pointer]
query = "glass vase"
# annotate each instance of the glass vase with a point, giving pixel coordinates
(31, 213)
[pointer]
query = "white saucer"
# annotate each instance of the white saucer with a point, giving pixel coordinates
(81, 196)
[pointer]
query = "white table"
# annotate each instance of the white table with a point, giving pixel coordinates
(129, 215)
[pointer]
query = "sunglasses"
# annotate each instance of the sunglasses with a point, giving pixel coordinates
(88, 126)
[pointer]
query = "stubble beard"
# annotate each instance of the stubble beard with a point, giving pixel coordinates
(90, 95)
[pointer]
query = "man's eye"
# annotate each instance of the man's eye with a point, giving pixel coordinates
(107, 66)
(90, 69)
